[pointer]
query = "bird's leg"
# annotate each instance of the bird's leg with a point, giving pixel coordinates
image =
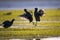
(33, 23)
(36, 23)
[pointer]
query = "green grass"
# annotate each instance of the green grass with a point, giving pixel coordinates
(51, 15)
(39, 24)
(28, 33)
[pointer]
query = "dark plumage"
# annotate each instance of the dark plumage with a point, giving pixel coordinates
(27, 15)
(41, 12)
(36, 14)
(7, 23)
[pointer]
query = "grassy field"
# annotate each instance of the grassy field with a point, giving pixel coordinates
(51, 15)
(29, 33)
(49, 25)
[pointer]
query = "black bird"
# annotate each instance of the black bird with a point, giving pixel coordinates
(7, 23)
(38, 14)
(27, 15)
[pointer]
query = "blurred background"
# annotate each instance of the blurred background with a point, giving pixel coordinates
(30, 4)
(21, 4)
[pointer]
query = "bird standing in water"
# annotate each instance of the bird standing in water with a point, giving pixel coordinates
(7, 24)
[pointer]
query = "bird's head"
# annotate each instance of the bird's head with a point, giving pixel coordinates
(25, 10)
(13, 20)
(36, 9)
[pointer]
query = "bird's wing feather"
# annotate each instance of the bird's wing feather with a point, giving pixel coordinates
(5, 22)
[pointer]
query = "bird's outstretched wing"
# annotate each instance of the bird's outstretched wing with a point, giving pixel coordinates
(23, 15)
(27, 16)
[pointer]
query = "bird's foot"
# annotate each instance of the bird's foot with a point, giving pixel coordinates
(35, 24)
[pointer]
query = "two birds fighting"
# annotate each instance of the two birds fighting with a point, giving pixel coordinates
(37, 15)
